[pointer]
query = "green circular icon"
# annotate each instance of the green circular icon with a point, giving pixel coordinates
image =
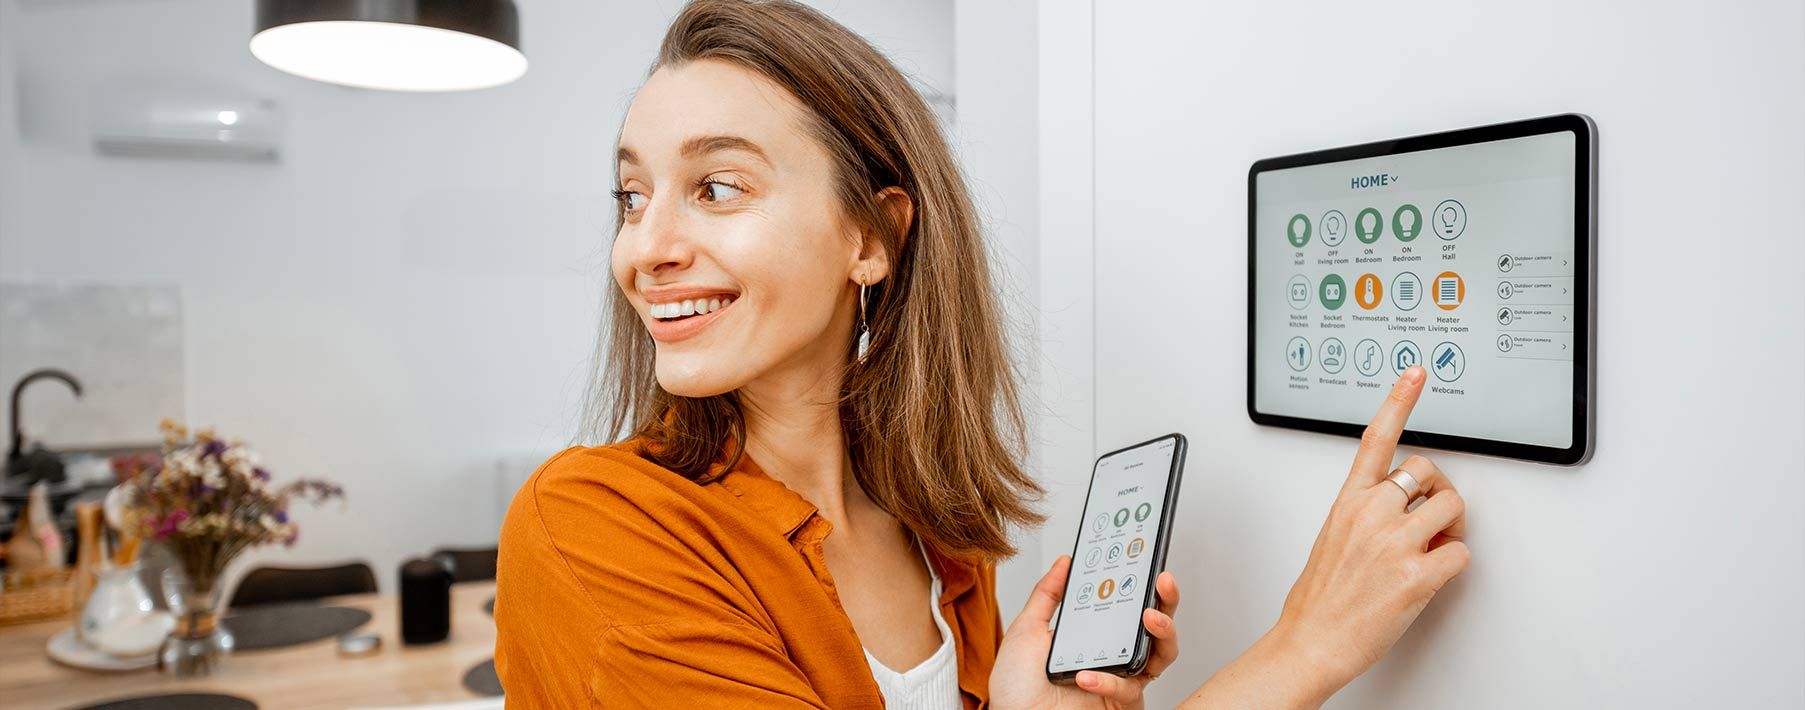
(1121, 517)
(1141, 513)
(1368, 225)
(1407, 222)
(1332, 292)
(1298, 230)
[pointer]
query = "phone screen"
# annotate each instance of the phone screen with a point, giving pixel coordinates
(1113, 563)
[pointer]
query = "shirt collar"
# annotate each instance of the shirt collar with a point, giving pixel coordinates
(787, 511)
(773, 500)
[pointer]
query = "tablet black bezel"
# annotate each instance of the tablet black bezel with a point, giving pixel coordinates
(1585, 224)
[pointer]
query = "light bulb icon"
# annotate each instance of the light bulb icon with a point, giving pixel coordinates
(1298, 231)
(1334, 228)
(1450, 218)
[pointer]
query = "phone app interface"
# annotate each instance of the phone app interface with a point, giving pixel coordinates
(1456, 259)
(1112, 567)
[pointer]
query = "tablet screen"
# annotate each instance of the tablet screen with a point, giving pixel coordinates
(1462, 259)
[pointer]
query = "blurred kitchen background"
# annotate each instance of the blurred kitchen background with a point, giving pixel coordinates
(396, 291)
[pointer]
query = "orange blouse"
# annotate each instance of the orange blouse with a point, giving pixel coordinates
(623, 584)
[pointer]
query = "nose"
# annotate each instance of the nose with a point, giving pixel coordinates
(660, 242)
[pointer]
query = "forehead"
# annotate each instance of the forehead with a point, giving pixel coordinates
(709, 97)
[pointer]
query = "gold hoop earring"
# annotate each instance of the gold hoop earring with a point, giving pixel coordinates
(864, 329)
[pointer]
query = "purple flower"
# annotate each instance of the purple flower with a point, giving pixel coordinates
(213, 448)
(168, 525)
(261, 474)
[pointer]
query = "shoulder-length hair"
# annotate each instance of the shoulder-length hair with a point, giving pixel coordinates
(932, 416)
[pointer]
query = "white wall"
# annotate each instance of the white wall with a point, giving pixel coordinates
(411, 293)
(996, 134)
(1668, 572)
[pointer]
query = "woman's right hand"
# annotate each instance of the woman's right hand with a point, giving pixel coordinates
(1374, 567)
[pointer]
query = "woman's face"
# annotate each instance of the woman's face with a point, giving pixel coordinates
(734, 249)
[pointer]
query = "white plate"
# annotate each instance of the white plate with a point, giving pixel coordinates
(68, 650)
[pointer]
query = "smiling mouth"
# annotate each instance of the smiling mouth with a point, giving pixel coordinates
(689, 308)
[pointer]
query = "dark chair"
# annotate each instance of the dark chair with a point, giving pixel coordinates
(467, 565)
(272, 585)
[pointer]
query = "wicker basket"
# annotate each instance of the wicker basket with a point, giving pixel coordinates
(37, 596)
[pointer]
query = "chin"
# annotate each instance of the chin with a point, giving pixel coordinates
(689, 375)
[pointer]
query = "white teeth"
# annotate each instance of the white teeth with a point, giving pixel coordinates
(693, 307)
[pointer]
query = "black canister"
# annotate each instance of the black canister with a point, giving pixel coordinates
(425, 602)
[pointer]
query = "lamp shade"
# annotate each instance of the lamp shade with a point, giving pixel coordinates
(398, 45)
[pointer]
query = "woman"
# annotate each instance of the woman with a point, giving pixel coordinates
(824, 453)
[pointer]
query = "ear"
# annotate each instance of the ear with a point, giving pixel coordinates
(873, 264)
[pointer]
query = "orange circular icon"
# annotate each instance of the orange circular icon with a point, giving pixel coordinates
(1135, 547)
(1105, 589)
(1449, 290)
(1368, 291)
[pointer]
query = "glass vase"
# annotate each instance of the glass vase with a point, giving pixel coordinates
(199, 642)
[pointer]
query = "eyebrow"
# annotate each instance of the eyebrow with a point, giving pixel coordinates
(700, 146)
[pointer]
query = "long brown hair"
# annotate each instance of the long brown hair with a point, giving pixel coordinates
(931, 417)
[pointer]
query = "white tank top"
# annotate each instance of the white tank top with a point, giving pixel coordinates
(932, 684)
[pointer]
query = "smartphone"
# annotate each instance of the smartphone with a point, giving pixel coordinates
(1121, 549)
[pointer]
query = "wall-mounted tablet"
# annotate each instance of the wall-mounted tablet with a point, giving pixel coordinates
(1468, 252)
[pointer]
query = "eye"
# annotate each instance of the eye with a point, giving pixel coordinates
(629, 200)
(715, 190)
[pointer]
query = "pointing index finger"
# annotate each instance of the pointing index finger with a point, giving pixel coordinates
(1379, 444)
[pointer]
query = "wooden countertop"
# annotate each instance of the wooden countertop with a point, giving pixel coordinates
(310, 675)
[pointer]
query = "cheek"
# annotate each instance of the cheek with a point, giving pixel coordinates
(791, 283)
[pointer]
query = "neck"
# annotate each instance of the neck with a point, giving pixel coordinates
(793, 430)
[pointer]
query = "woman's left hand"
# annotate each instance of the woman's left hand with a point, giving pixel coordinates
(1019, 679)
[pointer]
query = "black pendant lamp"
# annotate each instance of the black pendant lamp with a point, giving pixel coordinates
(398, 45)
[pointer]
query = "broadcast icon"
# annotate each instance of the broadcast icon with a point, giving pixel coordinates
(1332, 354)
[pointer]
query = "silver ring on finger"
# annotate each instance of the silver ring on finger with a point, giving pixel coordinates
(1407, 483)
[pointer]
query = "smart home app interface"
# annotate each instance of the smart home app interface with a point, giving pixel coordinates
(1113, 565)
(1457, 259)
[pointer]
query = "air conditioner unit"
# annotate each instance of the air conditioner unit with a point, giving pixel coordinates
(170, 124)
